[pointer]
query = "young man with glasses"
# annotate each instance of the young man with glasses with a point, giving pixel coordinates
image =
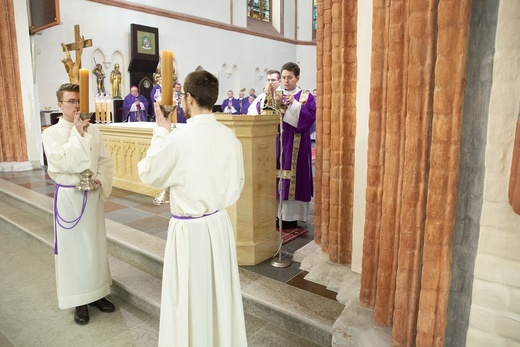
(202, 164)
(273, 83)
(80, 246)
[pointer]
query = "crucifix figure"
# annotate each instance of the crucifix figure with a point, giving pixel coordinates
(79, 43)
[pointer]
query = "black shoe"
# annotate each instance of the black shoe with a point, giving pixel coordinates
(103, 305)
(289, 225)
(81, 316)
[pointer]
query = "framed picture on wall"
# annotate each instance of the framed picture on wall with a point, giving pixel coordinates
(145, 42)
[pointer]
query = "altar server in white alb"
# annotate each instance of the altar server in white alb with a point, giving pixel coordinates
(80, 246)
(202, 163)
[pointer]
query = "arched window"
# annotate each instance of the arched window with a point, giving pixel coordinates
(259, 9)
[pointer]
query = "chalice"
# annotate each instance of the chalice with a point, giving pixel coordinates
(279, 101)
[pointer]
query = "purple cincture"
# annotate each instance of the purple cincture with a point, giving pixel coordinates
(58, 220)
(192, 217)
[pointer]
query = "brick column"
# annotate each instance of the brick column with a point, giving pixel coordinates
(418, 70)
(13, 142)
(336, 127)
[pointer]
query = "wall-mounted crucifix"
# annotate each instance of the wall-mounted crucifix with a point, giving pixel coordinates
(79, 43)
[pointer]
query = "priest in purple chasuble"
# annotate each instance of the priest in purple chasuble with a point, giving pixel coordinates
(230, 105)
(135, 107)
(296, 170)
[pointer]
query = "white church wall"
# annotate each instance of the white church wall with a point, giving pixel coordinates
(305, 57)
(304, 16)
(276, 14)
(217, 10)
(289, 23)
(495, 310)
(239, 8)
(364, 49)
(193, 45)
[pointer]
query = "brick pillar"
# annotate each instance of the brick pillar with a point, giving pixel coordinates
(336, 125)
(13, 143)
(450, 70)
(417, 82)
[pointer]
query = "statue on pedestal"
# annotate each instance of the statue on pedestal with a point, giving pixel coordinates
(157, 75)
(100, 75)
(115, 79)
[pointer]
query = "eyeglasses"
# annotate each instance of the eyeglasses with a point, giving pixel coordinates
(272, 80)
(182, 94)
(71, 101)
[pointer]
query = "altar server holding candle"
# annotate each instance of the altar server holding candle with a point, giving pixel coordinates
(80, 245)
(202, 164)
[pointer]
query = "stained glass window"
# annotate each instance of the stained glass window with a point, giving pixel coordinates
(259, 9)
(315, 15)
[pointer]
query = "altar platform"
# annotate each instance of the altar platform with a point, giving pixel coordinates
(253, 216)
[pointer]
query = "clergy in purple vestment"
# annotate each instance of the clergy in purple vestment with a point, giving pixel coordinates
(177, 91)
(230, 105)
(134, 107)
(155, 94)
(296, 172)
(246, 103)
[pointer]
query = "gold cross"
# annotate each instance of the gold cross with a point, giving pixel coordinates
(79, 43)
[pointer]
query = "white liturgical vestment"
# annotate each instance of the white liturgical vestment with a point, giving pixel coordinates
(82, 271)
(201, 301)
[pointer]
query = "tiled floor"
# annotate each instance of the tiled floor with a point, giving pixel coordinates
(138, 211)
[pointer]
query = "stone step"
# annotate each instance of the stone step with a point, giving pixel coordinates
(355, 324)
(136, 260)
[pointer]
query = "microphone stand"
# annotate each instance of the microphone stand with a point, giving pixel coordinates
(281, 263)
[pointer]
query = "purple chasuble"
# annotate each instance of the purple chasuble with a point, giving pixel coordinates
(131, 116)
(302, 167)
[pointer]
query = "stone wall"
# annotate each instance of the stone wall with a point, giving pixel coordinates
(479, 79)
(495, 310)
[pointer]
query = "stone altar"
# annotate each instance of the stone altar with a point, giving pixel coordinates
(253, 216)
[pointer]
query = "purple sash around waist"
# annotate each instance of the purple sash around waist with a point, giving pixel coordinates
(59, 220)
(192, 217)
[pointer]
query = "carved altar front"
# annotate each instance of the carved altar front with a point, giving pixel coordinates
(127, 143)
(253, 216)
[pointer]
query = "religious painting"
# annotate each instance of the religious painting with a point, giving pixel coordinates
(145, 41)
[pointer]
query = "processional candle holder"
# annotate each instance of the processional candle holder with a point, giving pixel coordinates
(275, 105)
(167, 109)
(86, 183)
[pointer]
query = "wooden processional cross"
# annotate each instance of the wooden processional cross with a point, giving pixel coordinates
(79, 43)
